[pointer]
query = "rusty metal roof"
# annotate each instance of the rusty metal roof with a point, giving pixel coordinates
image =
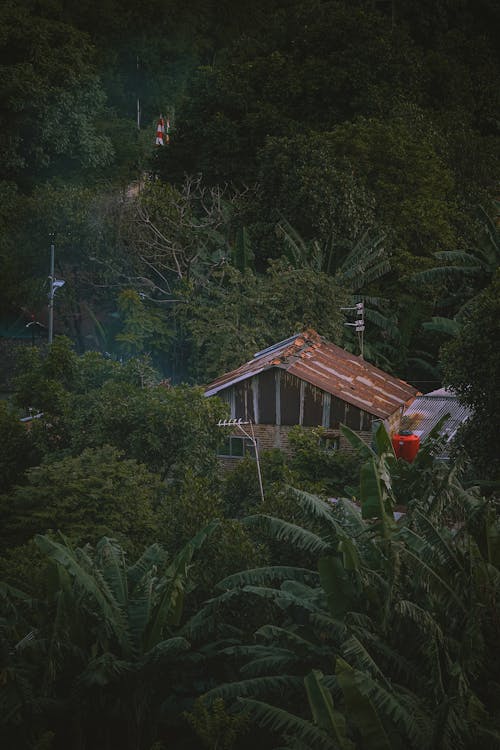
(315, 360)
(426, 411)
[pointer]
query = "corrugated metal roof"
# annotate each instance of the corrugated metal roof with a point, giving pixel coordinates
(426, 411)
(313, 359)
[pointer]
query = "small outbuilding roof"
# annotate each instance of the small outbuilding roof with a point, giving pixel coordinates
(426, 411)
(312, 358)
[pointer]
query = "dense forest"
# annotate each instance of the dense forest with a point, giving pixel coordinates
(320, 153)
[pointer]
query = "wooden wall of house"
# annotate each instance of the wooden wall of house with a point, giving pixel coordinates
(275, 397)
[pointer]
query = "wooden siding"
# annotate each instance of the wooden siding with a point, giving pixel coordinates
(243, 400)
(267, 397)
(274, 397)
(290, 399)
(313, 406)
(337, 412)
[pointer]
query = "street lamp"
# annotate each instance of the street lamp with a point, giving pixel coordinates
(55, 284)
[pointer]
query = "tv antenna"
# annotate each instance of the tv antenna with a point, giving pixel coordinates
(240, 424)
(358, 324)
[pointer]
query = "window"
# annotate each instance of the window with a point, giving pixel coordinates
(236, 447)
(329, 443)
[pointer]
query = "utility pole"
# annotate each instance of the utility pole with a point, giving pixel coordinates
(54, 285)
(51, 288)
(138, 100)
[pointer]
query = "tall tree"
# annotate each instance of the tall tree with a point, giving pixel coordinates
(471, 366)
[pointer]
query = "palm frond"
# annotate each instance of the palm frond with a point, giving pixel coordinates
(139, 609)
(356, 442)
(257, 686)
(388, 325)
(353, 649)
(284, 531)
(168, 608)
(329, 629)
(442, 549)
(152, 557)
(316, 506)
(283, 598)
(80, 567)
(349, 515)
(447, 326)
(111, 561)
(368, 274)
(430, 574)
(282, 722)
(104, 670)
(272, 664)
(6, 590)
(290, 639)
(267, 575)
(324, 714)
(298, 250)
(340, 589)
(451, 256)
(395, 663)
(206, 621)
(359, 708)
(412, 721)
(166, 650)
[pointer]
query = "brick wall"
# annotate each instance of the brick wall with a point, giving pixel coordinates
(270, 436)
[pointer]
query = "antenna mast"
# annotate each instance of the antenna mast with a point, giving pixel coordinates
(359, 323)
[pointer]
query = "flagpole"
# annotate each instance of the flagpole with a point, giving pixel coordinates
(51, 289)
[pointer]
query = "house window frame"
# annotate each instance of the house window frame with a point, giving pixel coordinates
(330, 442)
(247, 447)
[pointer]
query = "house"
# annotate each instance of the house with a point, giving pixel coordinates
(306, 380)
(424, 413)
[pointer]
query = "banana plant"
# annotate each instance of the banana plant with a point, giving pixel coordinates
(107, 649)
(376, 491)
(388, 634)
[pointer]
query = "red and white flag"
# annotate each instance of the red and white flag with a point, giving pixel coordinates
(160, 131)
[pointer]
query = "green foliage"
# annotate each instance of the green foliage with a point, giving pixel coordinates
(144, 329)
(18, 452)
(391, 608)
(318, 465)
(49, 79)
(44, 378)
(324, 714)
(358, 121)
(215, 727)
(241, 490)
(416, 204)
(90, 401)
(105, 640)
(95, 493)
(305, 181)
(471, 367)
(23, 567)
(307, 66)
(243, 313)
(168, 429)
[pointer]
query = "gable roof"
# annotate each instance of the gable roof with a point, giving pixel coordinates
(315, 360)
(426, 411)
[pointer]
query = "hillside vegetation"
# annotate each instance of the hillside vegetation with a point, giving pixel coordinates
(321, 153)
